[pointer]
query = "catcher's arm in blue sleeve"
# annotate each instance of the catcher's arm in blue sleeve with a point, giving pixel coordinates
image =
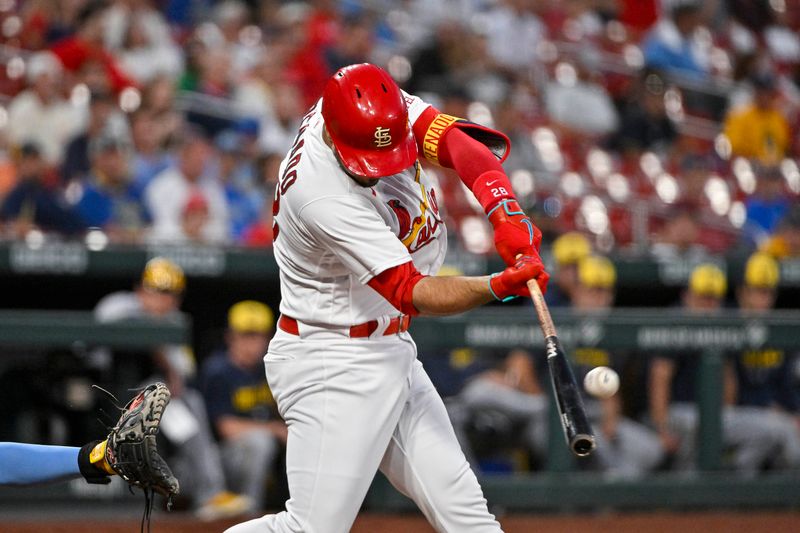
(31, 464)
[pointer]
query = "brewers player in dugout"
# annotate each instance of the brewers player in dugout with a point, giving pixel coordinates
(358, 237)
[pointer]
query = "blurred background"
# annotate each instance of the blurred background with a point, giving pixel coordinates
(654, 142)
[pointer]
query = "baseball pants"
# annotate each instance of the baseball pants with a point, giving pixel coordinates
(353, 406)
(753, 436)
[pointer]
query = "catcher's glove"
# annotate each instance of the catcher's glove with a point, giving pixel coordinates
(131, 449)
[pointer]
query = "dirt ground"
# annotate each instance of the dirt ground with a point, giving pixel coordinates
(750, 522)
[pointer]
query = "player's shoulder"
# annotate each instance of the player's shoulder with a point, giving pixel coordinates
(416, 106)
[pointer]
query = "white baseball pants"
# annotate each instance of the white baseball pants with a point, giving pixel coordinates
(353, 406)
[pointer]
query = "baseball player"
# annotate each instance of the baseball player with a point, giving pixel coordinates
(672, 390)
(764, 383)
(358, 237)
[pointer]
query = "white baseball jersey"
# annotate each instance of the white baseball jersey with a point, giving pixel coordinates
(354, 406)
(333, 235)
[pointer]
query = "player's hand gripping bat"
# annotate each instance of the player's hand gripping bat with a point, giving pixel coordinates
(577, 430)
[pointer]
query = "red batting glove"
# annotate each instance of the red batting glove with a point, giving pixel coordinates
(514, 233)
(513, 281)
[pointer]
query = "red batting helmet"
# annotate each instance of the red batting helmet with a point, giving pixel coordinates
(367, 118)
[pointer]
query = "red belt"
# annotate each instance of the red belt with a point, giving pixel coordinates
(397, 324)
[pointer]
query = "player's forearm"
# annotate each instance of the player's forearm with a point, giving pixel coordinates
(450, 295)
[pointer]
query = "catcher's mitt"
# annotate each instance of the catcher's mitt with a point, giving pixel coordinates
(131, 449)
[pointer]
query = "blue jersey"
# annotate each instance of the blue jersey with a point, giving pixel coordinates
(233, 391)
(684, 377)
(101, 206)
(764, 378)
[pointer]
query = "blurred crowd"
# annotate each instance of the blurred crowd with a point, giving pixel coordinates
(166, 120)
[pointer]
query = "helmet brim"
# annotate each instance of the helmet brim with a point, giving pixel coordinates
(378, 163)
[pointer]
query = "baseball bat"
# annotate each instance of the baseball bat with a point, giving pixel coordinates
(572, 414)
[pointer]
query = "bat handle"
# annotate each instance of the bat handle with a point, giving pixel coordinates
(545, 320)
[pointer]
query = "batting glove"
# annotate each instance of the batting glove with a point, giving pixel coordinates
(513, 281)
(514, 233)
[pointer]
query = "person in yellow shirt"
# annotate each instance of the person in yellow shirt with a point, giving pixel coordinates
(759, 130)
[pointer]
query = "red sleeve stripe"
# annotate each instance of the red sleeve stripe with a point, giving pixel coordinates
(396, 284)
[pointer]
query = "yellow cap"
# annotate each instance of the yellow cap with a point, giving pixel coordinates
(708, 280)
(761, 271)
(570, 248)
(163, 275)
(596, 272)
(249, 316)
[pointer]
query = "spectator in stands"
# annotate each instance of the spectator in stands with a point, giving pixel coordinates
(168, 196)
(240, 405)
(510, 117)
(149, 157)
(237, 174)
(40, 113)
(35, 202)
(762, 376)
(786, 240)
(759, 130)
(580, 104)
(644, 124)
(195, 458)
(672, 45)
(216, 78)
(103, 116)
(694, 170)
(677, 239)
(568, 250)
(108, 197)
(158, 97)
(355, 42)
(767, 206)
(139, 36)
(87, 45)
(672, 389)
(277, 128)
(230, 18)
(625, 448)
(514, 31)
(8, 168)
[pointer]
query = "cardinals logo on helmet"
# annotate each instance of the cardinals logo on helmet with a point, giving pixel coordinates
(383, 137)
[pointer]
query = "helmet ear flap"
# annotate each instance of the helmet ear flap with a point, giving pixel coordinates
(366, 117)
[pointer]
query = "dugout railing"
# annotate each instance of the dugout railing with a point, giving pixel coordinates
(75, 260)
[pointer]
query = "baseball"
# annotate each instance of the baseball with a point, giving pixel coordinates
(601, 382)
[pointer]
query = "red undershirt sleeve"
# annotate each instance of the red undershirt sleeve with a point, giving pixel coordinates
(396, 284)
(467, 156)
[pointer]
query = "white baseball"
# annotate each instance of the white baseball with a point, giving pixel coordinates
(601, 382)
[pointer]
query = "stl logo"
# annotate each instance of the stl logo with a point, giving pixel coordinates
(383, 137)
